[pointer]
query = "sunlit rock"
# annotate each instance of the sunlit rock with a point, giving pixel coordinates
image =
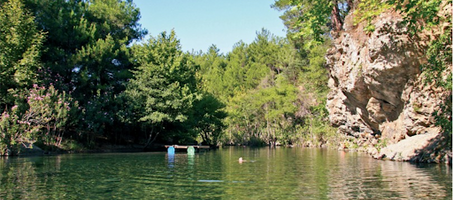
(377, 89)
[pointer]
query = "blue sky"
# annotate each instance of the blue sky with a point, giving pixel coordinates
(201, 23)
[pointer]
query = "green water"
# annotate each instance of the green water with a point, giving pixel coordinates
(283, 173)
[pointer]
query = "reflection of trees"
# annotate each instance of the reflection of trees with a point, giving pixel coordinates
(30, 178)
(15, 180)
(282, 173)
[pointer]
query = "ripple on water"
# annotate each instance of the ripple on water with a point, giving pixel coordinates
(285, 173)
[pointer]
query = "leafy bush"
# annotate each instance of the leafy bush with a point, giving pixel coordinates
(44, 119)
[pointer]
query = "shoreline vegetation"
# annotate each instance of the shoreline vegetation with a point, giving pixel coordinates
(75, 76)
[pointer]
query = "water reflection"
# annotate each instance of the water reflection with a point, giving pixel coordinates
(323, 174)
(275, 174)
(381, 179)
(191, 160)
(19, 177)
(171, 160)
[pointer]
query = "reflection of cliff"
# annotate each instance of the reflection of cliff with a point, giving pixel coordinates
(320, 174)
(377, 89)
(384, 180)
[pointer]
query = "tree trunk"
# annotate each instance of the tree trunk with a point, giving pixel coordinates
(350, 5)
(337, 23)
(205, 137)
(150, 139)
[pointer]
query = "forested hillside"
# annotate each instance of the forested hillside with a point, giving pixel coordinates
(77, 75)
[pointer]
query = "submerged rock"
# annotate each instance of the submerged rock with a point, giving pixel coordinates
(31, 150)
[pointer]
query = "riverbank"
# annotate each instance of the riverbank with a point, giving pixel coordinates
(425, 148)
(33, 150)
(429, 149)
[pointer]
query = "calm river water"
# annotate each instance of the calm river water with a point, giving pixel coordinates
(282, 173)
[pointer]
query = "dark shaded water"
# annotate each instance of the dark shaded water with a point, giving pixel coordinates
(283, 173)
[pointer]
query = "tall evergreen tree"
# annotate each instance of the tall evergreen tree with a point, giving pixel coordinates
(86, 54)
(163, 89)
(212, 67)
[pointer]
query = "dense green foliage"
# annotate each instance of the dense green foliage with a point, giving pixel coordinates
(20, 42)
(75, 71)
(93, 85)
(164, 87)
(273, 91)
(85, 54)
(69, 69)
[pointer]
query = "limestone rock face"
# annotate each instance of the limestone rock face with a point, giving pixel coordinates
(377, 90)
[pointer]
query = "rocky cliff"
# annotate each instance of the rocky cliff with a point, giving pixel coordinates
(378, 94)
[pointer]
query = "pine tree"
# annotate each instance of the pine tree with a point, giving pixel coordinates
(163, 88)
